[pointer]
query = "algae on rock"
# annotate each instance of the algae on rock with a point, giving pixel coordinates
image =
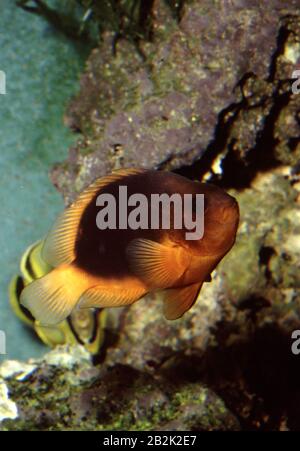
(158, 106)
(66, 392)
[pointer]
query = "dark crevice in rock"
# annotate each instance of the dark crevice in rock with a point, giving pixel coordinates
(261, 158)
(226, 118)
(254, 304)
(282, 38)
(265, 255)
(257, 377)
(293, 143)
(239, 172)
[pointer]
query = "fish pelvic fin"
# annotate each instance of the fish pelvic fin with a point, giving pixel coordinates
(158, 265)
(178, 300)
(59, 245)
(52, 298)
(100, 296)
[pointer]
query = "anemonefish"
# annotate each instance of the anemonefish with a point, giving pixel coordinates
(118, 265)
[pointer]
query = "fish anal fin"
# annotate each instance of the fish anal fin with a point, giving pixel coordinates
(59, 245)
(158, 265)
(178, 300)
(101, 296)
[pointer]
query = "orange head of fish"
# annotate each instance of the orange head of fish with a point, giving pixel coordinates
(221, 219)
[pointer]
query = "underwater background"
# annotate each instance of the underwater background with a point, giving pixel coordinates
(42, 71)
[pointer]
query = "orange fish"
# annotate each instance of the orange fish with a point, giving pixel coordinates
(118, 265)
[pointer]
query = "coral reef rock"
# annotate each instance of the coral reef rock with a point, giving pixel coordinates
(157, 105)
(64, 391)
(210, 96)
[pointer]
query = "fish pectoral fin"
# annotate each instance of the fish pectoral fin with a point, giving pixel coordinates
(178, 300)
(100, 296)
(158, 265)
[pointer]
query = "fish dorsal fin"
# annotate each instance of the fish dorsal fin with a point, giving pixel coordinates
(178, 300)
(100, 296)
(59, 246)
(158, 265)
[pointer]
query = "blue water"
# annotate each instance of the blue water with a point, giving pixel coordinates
(42, 69)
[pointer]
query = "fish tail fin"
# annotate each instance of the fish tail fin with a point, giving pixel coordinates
(52, 298)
